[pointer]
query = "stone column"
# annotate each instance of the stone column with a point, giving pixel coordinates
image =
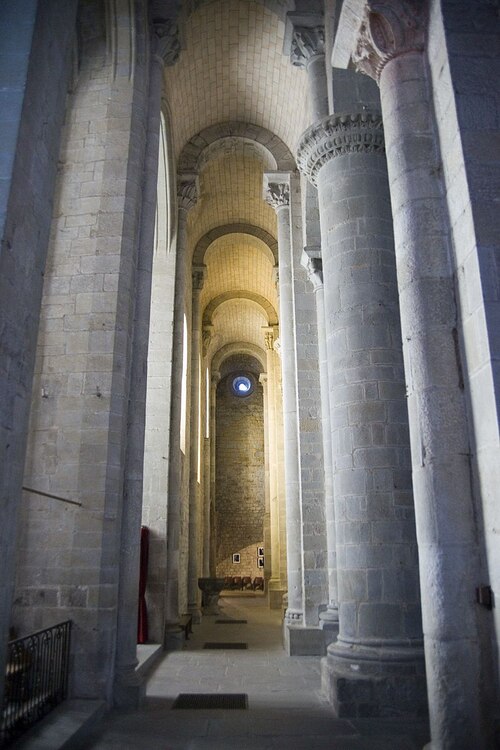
(329, 620)
(264, 381)
(308, 52)
(277, 187)
(187, 193)
(277, 584)
(195, 511)
(128, 686)
(214, 381)
(376, 665)
(390, 48)
(207, 442)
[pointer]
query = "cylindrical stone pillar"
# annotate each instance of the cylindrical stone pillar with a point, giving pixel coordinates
(187, 192)
(278, 196)
(450, 564)
(376, 664)
(329, 619)
(195, 510)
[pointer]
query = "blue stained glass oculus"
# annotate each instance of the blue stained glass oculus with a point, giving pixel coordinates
(242, 385)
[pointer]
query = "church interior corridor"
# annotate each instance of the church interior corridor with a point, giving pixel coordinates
(249, 350)
(286, 708)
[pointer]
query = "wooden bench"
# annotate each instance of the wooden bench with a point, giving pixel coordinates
(186, 624)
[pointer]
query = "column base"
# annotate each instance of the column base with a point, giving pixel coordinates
(173, 637)
(195, 612)
(275, 593)
(129, 688)
(375, 681)
(299, 640)
(329, 624)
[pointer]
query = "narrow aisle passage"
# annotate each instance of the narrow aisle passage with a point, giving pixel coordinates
(286, 710)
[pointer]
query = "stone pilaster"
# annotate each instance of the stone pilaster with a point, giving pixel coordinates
(329, 619)
(187, 194)
(195, 509)
(376, 664)
(277, 194)
(390, 48)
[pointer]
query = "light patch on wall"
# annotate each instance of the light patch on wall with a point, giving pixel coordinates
(207, 403)
(200, 396)
(162, 228)
(184, 385)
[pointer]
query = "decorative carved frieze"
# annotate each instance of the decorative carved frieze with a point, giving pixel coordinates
(187, 191)
(166, 45)
(389, 28)
(278, 194)
(306, 44)
(293, 617)
(337, 135)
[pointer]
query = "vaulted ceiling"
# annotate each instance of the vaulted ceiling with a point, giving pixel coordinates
(233, 78)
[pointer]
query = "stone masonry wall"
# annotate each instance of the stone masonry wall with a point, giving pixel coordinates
(36, 43)
(240, 499)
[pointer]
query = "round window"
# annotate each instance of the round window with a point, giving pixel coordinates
(242, 385)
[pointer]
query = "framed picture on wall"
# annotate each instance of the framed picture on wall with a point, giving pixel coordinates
(260, 551)
(236, 557)
(260, 562)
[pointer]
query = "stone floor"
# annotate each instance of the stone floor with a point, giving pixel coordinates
(286, 710)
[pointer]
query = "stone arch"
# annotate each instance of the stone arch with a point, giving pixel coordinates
(214, 234)
(257, 298)
(239, 347)
(190, 158)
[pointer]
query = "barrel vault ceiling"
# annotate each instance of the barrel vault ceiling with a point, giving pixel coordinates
(232, 69)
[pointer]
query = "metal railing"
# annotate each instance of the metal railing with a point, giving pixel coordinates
(36, 679)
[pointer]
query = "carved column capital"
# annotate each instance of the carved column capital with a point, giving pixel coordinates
(389, 28)
(276, 276)
(198, 275)
(337, 135)
(269, 340)
(263, 378)
(166, 45)
(307, 43)
(187, 191)
(315, 272)
(278, 194)
(207, 335)
(277, 189)
(214, 379)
